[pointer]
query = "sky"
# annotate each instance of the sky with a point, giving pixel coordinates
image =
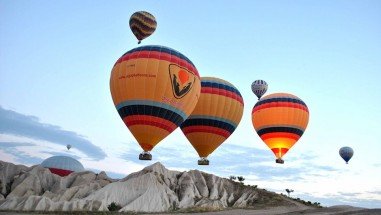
(56, 58)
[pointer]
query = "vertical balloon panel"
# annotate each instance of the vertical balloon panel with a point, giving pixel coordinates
(154, 89)
(215, 117)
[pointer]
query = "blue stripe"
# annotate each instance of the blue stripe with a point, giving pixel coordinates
(219, 85)
(161, 49)
(280, 129)
(151, 103)
(280, 99)
(213, 118)
(208, 122)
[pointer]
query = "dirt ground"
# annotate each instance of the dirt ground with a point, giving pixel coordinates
(296, 211)
(341, 210)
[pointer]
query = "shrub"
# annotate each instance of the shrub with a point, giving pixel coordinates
(114, 207)
(240, 178)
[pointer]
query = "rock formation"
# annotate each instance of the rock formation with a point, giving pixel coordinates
(153, 189)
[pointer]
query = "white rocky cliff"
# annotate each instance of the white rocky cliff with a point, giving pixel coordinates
(153, 189)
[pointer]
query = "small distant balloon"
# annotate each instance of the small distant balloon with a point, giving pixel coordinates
(68, 146)
(142, 25)
(346, 153)
(259, 88)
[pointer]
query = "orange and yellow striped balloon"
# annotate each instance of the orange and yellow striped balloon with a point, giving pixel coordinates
(215, 117)
(154, 89)
(142, 24)
(280, 119)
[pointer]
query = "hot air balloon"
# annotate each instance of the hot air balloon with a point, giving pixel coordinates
(259, 88)
(215, 117)
(154, 89)
(62, 165)
(142, 24)
(346, 153)
(68, 146)
(280, 119)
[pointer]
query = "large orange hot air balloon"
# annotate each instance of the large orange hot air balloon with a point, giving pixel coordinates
(280, 119)
(154, 89)
(215, 117)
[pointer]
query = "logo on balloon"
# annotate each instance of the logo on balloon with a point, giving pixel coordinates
(181, 79)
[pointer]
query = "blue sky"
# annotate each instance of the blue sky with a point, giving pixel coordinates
(55, 64)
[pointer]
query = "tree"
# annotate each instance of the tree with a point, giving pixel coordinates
(289, 191)
(240, 178)
(114, 207)
(232, 177)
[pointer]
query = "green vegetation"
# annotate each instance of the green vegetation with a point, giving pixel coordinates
(114, 207)
(240, 178)
(289, 191)
(307, 203)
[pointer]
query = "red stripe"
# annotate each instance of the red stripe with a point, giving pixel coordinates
(280, 104)
(282, 151)
(159, 56)
(222, 92)
(206, 129)
(60, 172)
(280, 135)
(149, 120)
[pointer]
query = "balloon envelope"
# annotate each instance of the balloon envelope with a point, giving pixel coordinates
(280, 119)
(346, 153)
(142, 24)
(259, 88)
(154, 89)
(62, 165)
(68, 146)
(215, 117)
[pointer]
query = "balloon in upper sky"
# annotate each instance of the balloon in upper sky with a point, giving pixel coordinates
(280, 119)
(215, 117)
(68, 146)
(154, 89)
(259, 88)
(346, 153)
(142, 24)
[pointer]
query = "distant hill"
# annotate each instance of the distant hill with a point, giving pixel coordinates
(153, 189)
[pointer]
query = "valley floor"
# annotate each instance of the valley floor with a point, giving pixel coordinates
(342, 210)
(288, 210)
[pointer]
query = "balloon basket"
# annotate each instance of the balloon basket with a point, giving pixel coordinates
(279, 160)
(145, 156)
(203, 162)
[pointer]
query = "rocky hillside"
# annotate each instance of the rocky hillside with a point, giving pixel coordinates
(153, 189)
